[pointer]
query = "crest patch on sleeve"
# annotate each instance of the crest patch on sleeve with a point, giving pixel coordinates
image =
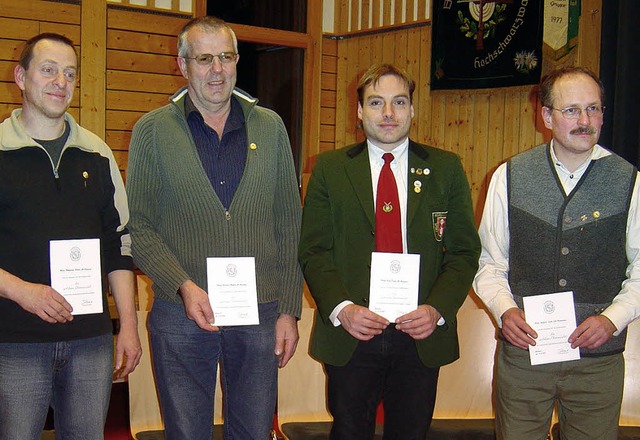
(439, 219)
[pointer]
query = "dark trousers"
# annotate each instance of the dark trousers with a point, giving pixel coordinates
(385, 368)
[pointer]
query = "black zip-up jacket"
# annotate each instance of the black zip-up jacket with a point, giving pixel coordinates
(82, 196)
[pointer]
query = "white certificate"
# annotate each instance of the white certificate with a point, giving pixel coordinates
(76, 274)
(553, 317)
(394, 284)
(232, 290)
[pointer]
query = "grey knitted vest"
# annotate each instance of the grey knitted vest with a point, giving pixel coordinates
(570, 242)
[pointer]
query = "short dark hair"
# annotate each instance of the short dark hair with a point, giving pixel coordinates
(27, 52)
(208, 23)
(377, 71)
(545, 93)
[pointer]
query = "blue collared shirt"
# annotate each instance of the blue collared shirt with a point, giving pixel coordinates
(223, 158)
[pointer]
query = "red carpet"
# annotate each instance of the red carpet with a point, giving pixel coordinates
(117, 427)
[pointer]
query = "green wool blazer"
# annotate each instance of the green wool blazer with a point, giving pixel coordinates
(338, 236)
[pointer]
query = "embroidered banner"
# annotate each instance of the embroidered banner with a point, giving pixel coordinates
(486, 43)
(561, 20)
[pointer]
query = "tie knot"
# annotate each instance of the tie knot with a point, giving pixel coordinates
(388, 158)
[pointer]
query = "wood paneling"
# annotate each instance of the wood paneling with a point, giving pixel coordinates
(92, 62)
(6, 70)
(122, 120)
(143, 82)
(10, 49)
(141, 71)
(145, 23)
(41, 11)
(142, 42)
(135, 101)
(142, 62)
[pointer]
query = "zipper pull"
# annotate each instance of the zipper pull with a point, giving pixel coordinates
(57, 179)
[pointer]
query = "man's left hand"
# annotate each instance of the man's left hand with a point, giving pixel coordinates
(420, 323)
(592, 332)
(286, 338)
(128, 352)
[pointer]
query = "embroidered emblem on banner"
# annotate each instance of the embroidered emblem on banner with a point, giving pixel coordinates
(439, 224)
(479, 44)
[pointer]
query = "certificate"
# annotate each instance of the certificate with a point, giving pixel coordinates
(76, 274)
(394, 284)
(553, 317)
(232, 290)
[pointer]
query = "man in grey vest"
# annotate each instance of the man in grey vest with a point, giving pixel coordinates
(561, 217)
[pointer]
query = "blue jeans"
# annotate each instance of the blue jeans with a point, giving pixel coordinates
(185, 361)
(385, 368)
(73, 377)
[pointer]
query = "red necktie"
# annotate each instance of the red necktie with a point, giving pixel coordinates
(388, 228)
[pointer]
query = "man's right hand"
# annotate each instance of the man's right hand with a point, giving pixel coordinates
(361, 323)
(197, 306)
(516, 330)
(45, 302)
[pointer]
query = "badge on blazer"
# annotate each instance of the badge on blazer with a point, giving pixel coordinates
(439, 224)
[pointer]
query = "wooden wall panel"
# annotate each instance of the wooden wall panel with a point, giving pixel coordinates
(42, 11)
(141, 22)
(141, 70)
(142, 42)
(6, 70)
(10, 49)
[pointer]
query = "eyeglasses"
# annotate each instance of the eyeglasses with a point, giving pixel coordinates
(593, 111)
(206, 59)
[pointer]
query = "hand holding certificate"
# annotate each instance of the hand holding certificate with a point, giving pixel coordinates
(553, 317)
(394, 284)
(76, 274)
(232, 290)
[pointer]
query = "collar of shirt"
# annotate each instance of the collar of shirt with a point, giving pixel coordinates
(234, 121)
(399, 168)
(569, 179)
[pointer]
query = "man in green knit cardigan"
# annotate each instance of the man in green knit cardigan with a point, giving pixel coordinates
(211, 175)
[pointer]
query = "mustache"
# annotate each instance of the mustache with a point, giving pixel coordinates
(583, 130)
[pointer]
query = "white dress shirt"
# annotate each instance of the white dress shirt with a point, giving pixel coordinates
(491, 283)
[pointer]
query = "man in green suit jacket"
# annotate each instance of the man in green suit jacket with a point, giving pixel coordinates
(368, 358)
